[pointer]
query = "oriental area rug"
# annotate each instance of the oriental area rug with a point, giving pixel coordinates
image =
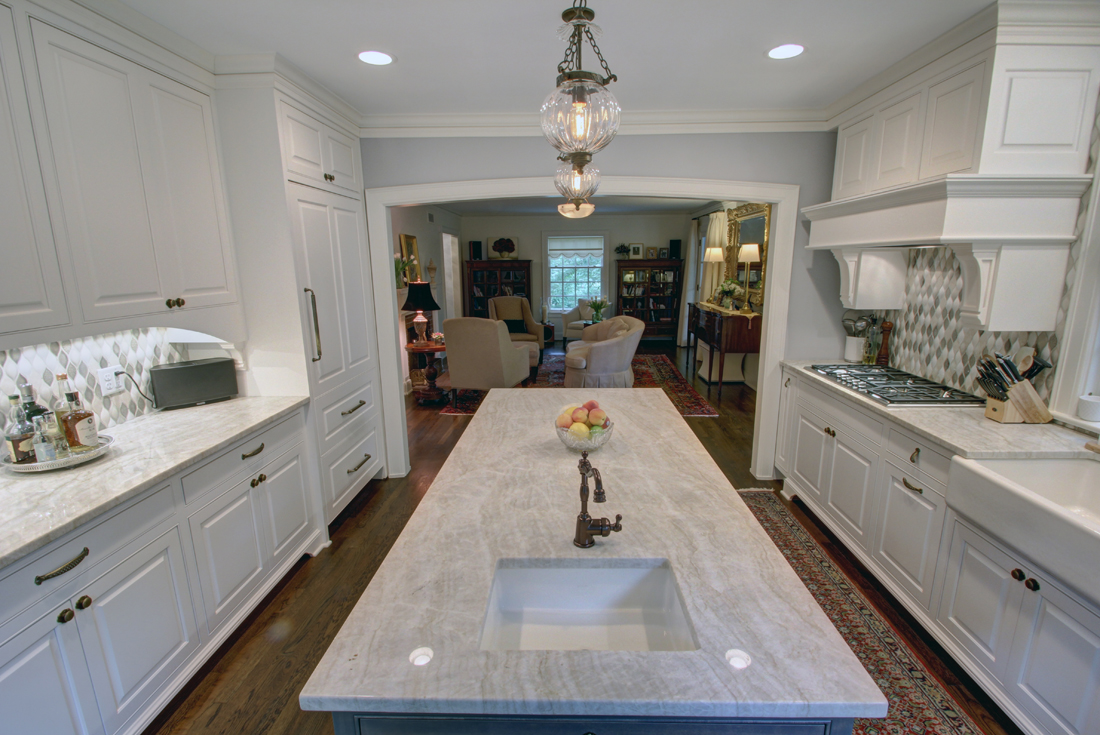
(650, 371)
(919, 704)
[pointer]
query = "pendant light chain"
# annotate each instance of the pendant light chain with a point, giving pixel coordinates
(582, 30)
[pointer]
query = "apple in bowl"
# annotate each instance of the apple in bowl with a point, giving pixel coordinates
(583, 428)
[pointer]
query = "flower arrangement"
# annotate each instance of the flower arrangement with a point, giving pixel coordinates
(622, 249)
(731, 288)
(504, 245)
(400, 265)
(597, 306)
(437, 337)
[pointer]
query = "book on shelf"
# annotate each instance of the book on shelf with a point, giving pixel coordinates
(477, 291)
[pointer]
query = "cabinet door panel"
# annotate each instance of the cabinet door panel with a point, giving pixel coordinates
(229, 548)
(853, 159)
(809, 453)
(909, 531)
(898, 133)
(358, 327)
(93, 102)
(304, 143)
(190, 227)
(341, 152)
(282, 497)
(1056, 662)
(850, 488)
(140, 628)
(981, 600)
(951, 124)
(32, 296)
(44, 683)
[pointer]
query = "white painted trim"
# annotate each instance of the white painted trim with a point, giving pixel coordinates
(130, 19)
(783, 197)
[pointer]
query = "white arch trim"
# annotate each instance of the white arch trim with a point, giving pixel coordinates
(783, 197)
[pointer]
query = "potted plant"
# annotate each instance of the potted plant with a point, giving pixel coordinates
(729, 291)
(597, 306)
(400, 266)
(623, 250)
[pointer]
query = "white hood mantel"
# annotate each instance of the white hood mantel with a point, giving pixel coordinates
(1010, 233)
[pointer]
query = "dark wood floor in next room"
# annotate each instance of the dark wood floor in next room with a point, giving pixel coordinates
(251, 685)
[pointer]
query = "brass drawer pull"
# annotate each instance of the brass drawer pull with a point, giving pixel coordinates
(914, 488)
(353, 410)
(787, 382)
(66, 615)
(316, 323)
(366, 458)
(66, 567)
(84, 603)
(915, 455)
(254, 452)
(1032, 584)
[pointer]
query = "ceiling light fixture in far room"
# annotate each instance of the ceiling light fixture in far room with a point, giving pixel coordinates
(580, 117)
(786, 51)
(377, 58)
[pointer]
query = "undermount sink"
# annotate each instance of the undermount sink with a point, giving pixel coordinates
(1049, 509)
(586, 604)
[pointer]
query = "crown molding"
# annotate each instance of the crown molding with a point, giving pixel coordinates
(1048, 22)
(145, 27)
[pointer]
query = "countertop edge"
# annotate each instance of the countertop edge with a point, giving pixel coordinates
(93, 512)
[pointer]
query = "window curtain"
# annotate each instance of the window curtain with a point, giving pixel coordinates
(575, 247)
(691, 265)
(717, 236)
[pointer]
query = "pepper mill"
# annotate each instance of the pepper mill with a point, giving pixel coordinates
(884, 349)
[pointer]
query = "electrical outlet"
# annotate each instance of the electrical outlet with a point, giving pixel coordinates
(109, 383)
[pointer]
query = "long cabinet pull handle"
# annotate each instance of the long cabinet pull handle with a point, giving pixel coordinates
(316, 323)
(254, 452)
(914, 488)
(915, 455)
(66, 567)
(354, 408)
(366, 458)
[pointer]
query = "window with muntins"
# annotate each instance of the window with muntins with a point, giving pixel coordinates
(576, 270)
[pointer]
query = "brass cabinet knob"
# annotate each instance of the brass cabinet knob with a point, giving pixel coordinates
(180, 302)
(1018, 575)
(84, 603)
(262, 477)
(66, 615)
(1032, 584)
(170, 303)
(830, 432)
(257, 480)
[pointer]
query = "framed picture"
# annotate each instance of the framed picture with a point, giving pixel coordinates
(636, 250)
(409, 250)
(651, 253)
(504, 247)
(663, 253)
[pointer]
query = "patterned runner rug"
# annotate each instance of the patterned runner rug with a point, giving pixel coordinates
(919, 704)
(650, 371)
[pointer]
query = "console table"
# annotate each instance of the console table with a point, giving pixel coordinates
(723, 331)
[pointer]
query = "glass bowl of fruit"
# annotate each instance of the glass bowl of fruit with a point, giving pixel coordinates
(583, 428)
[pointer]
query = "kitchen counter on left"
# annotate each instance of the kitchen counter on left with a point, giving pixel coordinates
(38, 508)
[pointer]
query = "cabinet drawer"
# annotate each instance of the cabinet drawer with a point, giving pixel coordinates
(18, 590)
(233, 462)
(344, 470)
(339, 412)
(867, 427)
(920, 455)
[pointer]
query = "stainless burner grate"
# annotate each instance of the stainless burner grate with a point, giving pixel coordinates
(894, 387)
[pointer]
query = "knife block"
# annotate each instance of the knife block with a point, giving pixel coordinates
(1024, 406)
(1003, 412)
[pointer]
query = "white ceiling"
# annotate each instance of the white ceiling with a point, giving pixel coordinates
(500, 56)
(533, 206)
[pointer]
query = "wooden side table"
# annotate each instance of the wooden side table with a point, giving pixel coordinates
(548, 332)
(427, 352)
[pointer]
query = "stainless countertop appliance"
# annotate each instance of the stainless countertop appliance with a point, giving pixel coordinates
(893, 387)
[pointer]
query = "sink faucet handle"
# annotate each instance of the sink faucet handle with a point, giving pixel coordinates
(604, 526)
(618, 523)
(584, 465)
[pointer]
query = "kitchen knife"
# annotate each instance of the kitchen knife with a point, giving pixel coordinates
(998, 370)
(1009, 366)
(1038, 365)
(992, 389)
(992, 378)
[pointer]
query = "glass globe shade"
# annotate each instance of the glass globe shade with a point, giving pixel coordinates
(580, 116)
(575, 184)
(576, 211)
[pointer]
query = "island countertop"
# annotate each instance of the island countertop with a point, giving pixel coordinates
(40, 507)
(509, 490)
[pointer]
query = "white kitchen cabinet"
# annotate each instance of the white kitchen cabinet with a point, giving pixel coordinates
(284, 505)
(787, 397)
(328, 230)
(951, 123)
(345, 467)
(317, 154)
(897, 140)
(138, 176)
(909, 528)
(33, 295)
(44, 681)
(810, 454)
(849, 493)
(137, 627)
(853, 159)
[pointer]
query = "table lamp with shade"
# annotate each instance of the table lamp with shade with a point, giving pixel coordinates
(420, 299)
(714, 255)
(749, 253)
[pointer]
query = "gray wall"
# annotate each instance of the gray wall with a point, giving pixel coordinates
(805, 159)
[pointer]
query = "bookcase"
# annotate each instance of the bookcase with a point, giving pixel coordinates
(650, 290)
(488, 278)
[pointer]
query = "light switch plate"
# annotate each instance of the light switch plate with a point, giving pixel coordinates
(109, 383)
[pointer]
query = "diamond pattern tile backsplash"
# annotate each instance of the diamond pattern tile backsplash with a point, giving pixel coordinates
(136, 350)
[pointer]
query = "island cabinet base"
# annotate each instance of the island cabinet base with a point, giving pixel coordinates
(358, 723)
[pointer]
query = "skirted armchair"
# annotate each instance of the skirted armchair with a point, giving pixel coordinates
(573, 321)
(480, 355)
(602, 358)
(515, 312)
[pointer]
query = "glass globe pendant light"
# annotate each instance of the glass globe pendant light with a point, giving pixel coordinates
(577, 185)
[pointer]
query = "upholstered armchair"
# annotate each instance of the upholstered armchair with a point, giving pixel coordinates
(573, 321)
(515, 312)
(602, 358)
(480, 356)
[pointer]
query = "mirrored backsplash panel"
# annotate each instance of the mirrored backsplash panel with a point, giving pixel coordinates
(136, 350)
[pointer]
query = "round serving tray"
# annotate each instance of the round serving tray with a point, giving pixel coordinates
(105, 443)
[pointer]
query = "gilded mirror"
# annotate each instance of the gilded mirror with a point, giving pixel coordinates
(749, 224)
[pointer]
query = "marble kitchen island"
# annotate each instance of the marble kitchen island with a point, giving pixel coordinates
(508, 497)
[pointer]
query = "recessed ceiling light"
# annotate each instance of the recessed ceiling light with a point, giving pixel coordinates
(786, 51)
(376, 57)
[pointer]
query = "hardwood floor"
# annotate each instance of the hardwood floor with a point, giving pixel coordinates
(251, 685)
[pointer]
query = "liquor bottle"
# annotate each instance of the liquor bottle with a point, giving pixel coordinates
(19, 436)
(79, 424)
(44, 450)
(60, 405)
(30, 407)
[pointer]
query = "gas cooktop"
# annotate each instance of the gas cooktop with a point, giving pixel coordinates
(895, 387)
